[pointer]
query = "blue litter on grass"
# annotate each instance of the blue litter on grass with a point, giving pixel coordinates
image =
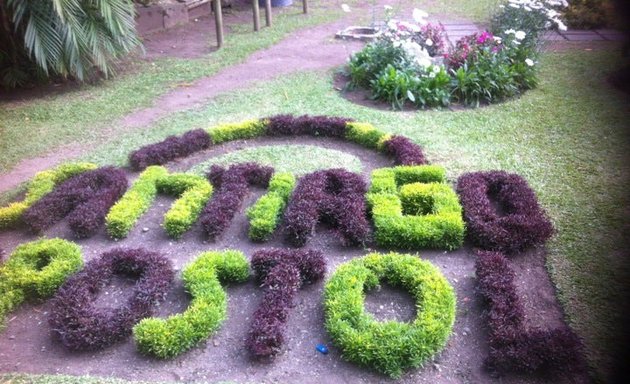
(322, 349)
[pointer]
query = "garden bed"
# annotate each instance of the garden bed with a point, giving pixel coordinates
(26, 345)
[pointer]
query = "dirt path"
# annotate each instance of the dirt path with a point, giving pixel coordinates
(305, 50)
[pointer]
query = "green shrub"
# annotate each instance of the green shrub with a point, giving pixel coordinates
(412, 208)
(367, 64)
(265, 214)
(389, 347)
(165, 338)
(36, 270)
(387, 180)
(233, 131)
(364, 134)
(43, 183)
(136, 201)
(193, 191)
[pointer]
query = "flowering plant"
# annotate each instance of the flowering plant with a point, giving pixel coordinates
(531, 16)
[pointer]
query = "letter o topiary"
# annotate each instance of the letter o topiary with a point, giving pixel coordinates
(389, 347)
(36, 269)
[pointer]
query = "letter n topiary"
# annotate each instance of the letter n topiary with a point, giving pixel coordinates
(390, 347)
(165, 338)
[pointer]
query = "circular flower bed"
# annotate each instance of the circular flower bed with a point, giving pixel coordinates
(389, 347)
(81, 326)
(522, 224)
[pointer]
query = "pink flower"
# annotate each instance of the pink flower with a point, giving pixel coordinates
(483, 37)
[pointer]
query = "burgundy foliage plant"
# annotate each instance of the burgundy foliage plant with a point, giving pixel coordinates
(281, 272)
(169, 149)
(518, 223)
(289, 125)
(405, 151)
(85, 199)
(80, 325)
(512, 346)
(334, 196)
(233, 186)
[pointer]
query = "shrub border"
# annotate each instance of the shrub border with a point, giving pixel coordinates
(166, 338)
(264, 216)
(389, 347)
(81, 326)
(404, 150)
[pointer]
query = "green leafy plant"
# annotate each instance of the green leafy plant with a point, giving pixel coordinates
(166, 338)
(42, 184)
(36, 270)
(73, 38)
(193, 191)
(366, 65)
(366, 135)
(265, 214)
(390, 347)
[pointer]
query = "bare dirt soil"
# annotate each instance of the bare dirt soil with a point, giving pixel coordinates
(28, 346)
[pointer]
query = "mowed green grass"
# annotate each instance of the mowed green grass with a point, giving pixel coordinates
(569, 138)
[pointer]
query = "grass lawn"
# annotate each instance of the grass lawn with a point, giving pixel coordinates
(569, 138)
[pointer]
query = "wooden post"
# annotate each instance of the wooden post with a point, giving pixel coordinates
(305, 6)
(218, 18)
(256, 15)
(268, 12)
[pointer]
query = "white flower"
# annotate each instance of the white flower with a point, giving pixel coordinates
(514, 6)
(431, 74)
(409, 26)
(529, 62)
(519, 35)
(561, 25)
(396, 43)
(392, 24)
(419, 16)
(497, 39)
(388, 7)
(510, 31)
(345, 7)
(429, 42)
(436, 68)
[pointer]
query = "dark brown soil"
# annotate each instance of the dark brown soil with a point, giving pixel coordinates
(27, 346)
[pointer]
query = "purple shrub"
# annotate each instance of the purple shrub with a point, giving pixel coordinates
(512, 347)
(334, 196)
(169, 149)
(405, 151)
(289, 125)
(233, 186)
(81, 326)
(282, 273)
(521, 224)
(85, 199)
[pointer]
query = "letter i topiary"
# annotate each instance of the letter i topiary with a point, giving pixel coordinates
(165, 338)
(36, 270)
(265, 214)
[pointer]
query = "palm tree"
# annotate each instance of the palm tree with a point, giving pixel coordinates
(68, 38)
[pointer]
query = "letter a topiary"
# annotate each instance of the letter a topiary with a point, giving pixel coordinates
(389, 347)
(36, 270)
(167, 338)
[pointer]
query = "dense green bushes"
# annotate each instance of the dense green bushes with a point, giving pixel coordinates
(412, 208)
(165, 338)
(265, 214)
(247, 129)
(389, 347)
(43, 183)
(193, 192)
(36, 270)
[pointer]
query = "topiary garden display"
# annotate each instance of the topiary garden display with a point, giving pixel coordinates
(409, 205)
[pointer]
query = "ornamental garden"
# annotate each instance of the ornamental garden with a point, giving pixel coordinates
(333, 233)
